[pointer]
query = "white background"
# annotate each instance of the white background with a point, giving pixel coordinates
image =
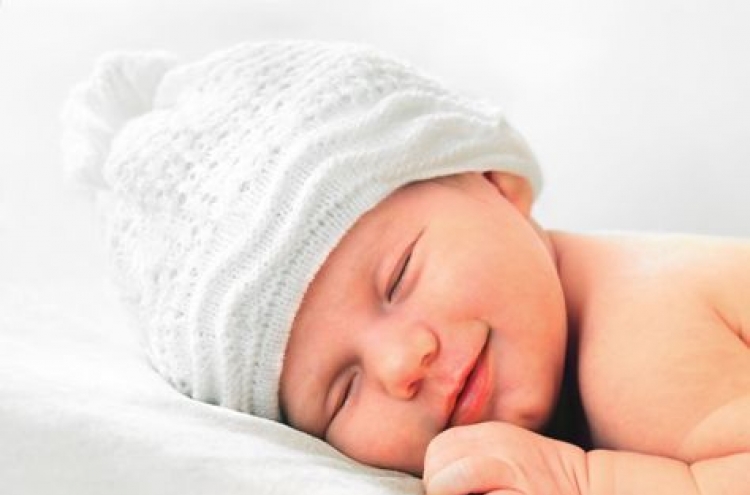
(638, 110)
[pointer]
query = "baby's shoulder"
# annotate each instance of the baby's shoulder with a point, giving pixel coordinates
(659, 319)
(656, 276)
(671, 281)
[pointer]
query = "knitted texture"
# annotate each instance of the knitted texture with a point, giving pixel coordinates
(229, 180)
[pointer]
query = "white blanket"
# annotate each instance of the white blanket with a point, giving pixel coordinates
(81, 412)
(616, 97)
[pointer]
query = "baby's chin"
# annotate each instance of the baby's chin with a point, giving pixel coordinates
(533, 416)
(407, 452)
(535, 420)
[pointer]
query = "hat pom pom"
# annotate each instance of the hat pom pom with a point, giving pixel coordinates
(121, 87)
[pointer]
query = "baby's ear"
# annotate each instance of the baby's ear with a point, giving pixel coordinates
(515, 188)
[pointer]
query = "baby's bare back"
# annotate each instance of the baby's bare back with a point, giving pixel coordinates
(663, 325)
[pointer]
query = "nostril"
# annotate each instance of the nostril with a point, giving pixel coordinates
(428, 358)
(413, 388)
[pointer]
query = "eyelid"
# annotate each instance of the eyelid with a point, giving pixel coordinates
(342, 397)
(399, 270)
(346, 393)
(397, 275)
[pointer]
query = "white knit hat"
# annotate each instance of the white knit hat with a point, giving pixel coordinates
(229, 180)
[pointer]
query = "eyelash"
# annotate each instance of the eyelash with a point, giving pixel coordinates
(397, 282)
(346, 394)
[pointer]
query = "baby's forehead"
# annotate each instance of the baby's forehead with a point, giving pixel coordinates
(373, 235)
(391, 218)
(384, 217)
(403, 199)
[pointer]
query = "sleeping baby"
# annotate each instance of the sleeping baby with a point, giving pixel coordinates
(319, 234)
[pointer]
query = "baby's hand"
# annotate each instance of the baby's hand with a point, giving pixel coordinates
(499, 458)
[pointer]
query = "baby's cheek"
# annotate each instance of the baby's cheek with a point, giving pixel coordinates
(385, 445)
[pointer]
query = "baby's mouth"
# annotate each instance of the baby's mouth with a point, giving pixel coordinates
(474, 391)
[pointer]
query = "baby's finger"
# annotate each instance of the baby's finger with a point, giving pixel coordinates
(449, 446)
(473, 474)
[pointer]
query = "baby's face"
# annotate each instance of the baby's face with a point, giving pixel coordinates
(440, 307)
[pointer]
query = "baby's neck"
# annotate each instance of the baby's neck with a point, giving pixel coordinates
(568, 422)
(579, 263)
(574, 257)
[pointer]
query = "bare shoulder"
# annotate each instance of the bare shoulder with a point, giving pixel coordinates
(692, 273)
(663, 324)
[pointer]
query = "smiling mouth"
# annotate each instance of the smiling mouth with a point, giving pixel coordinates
(474, 391)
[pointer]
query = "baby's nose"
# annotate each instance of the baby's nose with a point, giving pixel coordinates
(404, 359)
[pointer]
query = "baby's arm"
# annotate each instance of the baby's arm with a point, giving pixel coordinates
(499, 458)
(624, 473)
(722, 440)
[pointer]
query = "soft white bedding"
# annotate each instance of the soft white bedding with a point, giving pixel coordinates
(82, 413)
(638, 111)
